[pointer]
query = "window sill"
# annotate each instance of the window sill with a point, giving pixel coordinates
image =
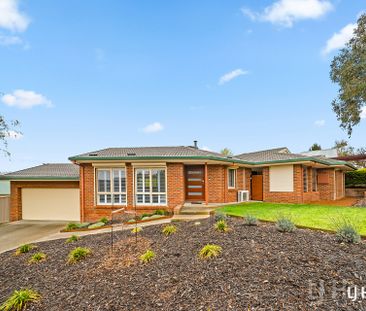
(110, 206)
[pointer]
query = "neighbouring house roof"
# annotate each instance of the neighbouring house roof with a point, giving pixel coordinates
(276, 155)
(327, 153)
(49, 171)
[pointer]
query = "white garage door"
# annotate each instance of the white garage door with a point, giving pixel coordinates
(50, 204)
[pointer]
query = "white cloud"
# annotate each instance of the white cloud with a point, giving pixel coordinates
(25, 99)
(10, 40)
(11, 18)
(339, 39)
(153, 127)
(232, 75)
(13, 135)
(363, 113)
(319, 123)
(286, 12)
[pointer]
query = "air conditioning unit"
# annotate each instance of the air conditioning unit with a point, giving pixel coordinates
(243, 195)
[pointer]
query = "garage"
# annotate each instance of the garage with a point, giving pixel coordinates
(45, 192)
(50, 204)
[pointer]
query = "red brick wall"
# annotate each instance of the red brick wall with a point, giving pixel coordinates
(92, 212)
(326, 190)
(16, 193)
(340, 185)
(216, 183)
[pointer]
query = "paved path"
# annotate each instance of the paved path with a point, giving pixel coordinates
(16, 233)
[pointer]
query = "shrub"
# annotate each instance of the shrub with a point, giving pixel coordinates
(136, 230)
(220, 216)
(72, 226)
(103, 220)
(37, 257)
(221, 225)
(250, 220)
(73, 238)
(346, 232)
(96, 225)
(19, 299)
(25, 248)
(210, 251)
(78, 254)
(147, 256)
(169, 229)
(145, 215)
(160, 212)
(84, 225)
(357, 177)
(285, 225)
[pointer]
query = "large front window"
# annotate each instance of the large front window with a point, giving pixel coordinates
(150, 186)
(231, 178)
(111, 187)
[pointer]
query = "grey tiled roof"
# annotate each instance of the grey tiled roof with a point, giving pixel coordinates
(48, 171)
(180, 151)
(276, 154)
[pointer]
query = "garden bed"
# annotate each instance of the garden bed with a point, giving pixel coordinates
(259, 269)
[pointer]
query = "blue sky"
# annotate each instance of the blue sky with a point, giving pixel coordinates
(247, 75)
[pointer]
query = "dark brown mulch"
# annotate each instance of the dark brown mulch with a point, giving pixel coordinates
(259, 269)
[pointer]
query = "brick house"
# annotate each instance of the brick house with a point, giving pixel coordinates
(150, 178)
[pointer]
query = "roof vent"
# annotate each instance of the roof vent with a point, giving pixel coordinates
(131, 154)
(195, 144)
(93, 154)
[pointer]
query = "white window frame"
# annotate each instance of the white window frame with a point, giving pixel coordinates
(305, 178)
(228, 178)
(151, 193)
(314, 181)
(112, 191)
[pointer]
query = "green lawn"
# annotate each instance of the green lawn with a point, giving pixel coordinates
(314, 216)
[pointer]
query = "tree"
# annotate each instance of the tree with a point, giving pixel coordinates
(343, 148)
(226, 152)
(348, 70)
(6, 128)
(314, 147)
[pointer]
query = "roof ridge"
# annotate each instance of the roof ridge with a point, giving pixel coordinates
(264, 150)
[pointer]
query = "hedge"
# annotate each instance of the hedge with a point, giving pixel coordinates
(355, 178)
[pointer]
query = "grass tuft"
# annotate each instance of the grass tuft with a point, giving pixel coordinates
(250, 220)
(285, 224)
(169, 229)
(147, 256)
(38, 257)
(222, 226)
(136, 230)
(209, 251)
(78, 254)
(347, 231)
(72, 239)
(25, 248)
(19, 300)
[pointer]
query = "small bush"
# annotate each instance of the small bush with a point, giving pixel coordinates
(356, 178)
(72, 239)
(250, 220)
(25, 248)
(220, 216)
(210, 251)
(160, 212)
(84, 225)
(136, 230)
(72, 226)
(346, 232)
(285, 225)
(169, 229)
(222, 226)
(78, 254)
(37, 257)
(19, 300)
(145, 215)
(96, 225)
(104, 220)
(147, 256)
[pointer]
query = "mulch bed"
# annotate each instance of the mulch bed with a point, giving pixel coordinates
(259, 269)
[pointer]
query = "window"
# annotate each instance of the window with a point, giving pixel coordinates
(305, 178)
(315, 179)
(150, 186)
(111, 186)
(232, 178)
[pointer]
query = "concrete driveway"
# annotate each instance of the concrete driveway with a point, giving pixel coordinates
(26, 231)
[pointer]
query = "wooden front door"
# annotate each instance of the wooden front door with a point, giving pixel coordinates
(257, 187)
(195, 183)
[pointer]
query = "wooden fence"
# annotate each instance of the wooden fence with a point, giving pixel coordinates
(4, 208)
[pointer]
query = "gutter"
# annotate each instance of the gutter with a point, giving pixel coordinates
(39, 178)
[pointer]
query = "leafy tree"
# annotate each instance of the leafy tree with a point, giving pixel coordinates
(314, 147)
(348, 70)
(226, 152)
(5, 129)
(343, 148)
